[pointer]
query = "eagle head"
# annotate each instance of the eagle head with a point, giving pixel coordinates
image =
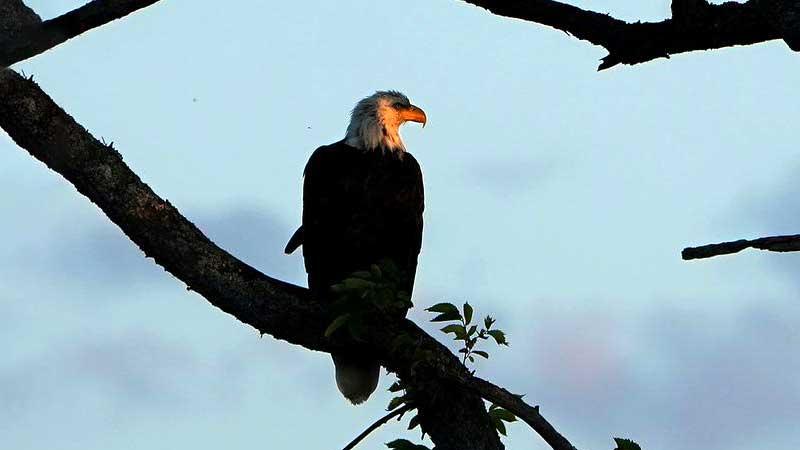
(375, 121)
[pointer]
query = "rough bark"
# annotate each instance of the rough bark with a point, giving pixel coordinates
(37, 37)
(14, 18)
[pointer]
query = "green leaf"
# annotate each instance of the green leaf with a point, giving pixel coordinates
(502, 414)
(481, 353)
(626, 444)
(499, 426)
(488, 322)
(467, 313)
(456, 329)
(444, 308)
(472, 330)
(337, 322)
(363, 274)
(395, 403)
(498, 336)
(357, 284)
(403, 444)
(413, 423)
(447, 316)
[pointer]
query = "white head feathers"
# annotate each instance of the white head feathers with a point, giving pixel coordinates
(375, 121)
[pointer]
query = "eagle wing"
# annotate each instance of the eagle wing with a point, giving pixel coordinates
(360, 207)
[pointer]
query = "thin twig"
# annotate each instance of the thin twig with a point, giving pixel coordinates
(401, 410)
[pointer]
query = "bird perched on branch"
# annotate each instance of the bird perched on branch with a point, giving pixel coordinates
(362, 203)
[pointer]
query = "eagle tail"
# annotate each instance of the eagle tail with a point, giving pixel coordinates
(295, 241)
(356, 377)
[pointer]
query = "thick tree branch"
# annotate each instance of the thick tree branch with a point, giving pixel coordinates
(699, 27)
(789, 243)
(42, 36)
(455, 419)
(14, 18)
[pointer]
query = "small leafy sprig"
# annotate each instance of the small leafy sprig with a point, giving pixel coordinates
(466, 332)
(364, 291)
(403, 401)
(499, 416)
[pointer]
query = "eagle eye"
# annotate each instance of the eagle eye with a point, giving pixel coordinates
(398, 105)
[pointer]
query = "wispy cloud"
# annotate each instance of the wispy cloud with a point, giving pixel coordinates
(105, 257)
(678, 378)
(511, 176)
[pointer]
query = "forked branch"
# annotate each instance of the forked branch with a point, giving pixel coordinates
(695, 25)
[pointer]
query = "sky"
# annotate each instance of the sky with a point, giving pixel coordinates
(557, 199)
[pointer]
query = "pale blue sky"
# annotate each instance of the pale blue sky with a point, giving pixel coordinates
(558, 199)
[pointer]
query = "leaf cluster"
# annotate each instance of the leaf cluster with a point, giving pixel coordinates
(465, 331)
(399, 401)
(366, 292)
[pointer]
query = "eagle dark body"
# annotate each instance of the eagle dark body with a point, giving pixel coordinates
(362, 204)
(360, 207)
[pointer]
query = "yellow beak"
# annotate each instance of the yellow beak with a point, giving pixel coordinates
(414, 114)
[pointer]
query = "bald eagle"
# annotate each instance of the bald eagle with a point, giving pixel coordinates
(362, 203)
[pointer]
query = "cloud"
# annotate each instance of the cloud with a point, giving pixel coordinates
(511, 176)
(104, 256)
(131, 372)
(254, 236)
(678, 378)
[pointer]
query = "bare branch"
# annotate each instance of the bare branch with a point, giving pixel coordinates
(789, 243)
(699, 27)
(529, 414)
(377, 424)
(46, 35)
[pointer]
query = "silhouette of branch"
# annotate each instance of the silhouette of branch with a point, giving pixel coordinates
(695, 25)
(789, 243)
(529, 414)
(377, 424)
(43, 36)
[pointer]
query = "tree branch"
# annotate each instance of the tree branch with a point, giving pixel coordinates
(377, 424)
(455, 419)
(43, 36)
(789, 243)
(701, 27)
(529, 414)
